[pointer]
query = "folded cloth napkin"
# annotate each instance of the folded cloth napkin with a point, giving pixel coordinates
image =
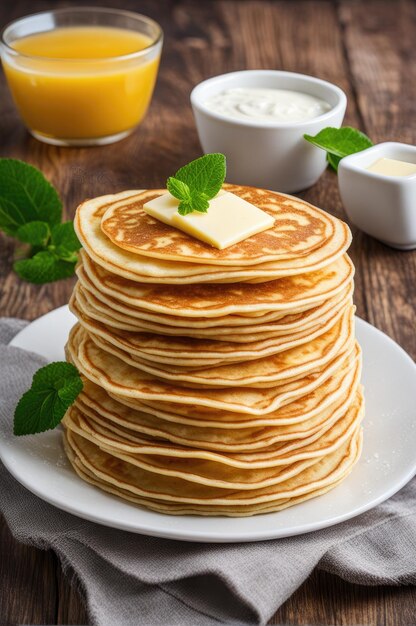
(128, 579)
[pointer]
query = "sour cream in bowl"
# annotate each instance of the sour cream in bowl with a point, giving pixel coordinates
(257, 118)
(273, 105)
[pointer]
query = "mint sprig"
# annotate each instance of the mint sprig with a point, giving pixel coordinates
(54, 388)
(64, 242)
(35, 233)
(198, 182)
(31, 211)
(43, 267)
(339, 143)
(26, 196)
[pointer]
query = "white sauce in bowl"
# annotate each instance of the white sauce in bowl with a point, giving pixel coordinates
(274, 105)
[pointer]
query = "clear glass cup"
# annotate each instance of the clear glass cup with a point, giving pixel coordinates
(71, 101)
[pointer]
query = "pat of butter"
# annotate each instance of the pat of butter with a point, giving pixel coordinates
(392, 167)
(164, 207)
(229, 219)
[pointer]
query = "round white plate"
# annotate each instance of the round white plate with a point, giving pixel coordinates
(388, 461)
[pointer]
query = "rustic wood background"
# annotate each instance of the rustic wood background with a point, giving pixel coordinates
(368, 49)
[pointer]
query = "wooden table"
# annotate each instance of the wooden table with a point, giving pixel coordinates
(368, 49)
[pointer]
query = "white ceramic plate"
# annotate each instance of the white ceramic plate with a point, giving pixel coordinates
(388, 461)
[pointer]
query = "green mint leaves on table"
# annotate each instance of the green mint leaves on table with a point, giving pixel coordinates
(198, 182)
(31, 211)
(43, 267)
(339, 142)
(54, 388)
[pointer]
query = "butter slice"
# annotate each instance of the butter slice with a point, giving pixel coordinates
(229, 220)
(392, 167)
(164, 207)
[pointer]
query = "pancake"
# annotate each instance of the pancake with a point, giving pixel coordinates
(143, 482)
(291, 364)
(192, 352)
(203, 473)
(80, 304)
(285, 295)
(99, 283)
(123, 381)
(300, 230)
(198, 464)
(232, 432)
(93, 302)
(113, 418)
(201, 510)
(83, 303)
(145, 269)
(290, 408)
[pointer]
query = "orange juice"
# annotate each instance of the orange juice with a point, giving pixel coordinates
(82, 82)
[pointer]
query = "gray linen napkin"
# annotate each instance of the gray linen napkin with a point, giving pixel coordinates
(128, 579)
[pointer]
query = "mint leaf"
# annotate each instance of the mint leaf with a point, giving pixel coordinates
(196, 183)
(25, 196)
(44, 267)
(185, 207)
(200, 203)
(31, 211)
(205, 175)
(339, 142)
(36, 233)
(56, 374)
(64, 242)
(333, 161)
(54, 388)
(178, 189)
(55, 262)
(197, 203)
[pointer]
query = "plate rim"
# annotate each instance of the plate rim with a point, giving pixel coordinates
(212, 536)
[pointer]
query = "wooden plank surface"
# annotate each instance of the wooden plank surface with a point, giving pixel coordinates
(365, 47)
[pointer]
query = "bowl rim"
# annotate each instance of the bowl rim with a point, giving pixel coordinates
(82, 9)
(197, 103)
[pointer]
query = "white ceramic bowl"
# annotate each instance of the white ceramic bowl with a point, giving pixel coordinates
(268, 154)
(382, 206)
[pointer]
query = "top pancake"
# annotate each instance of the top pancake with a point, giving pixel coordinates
(299, 229)
(335, 238)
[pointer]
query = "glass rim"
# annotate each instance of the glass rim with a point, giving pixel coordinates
(139, 17)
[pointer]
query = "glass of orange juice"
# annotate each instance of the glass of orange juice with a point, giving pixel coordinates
(82, 76)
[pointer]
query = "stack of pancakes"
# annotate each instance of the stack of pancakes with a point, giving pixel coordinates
(216, 382)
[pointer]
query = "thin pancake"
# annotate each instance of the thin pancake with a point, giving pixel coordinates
(144, 269)
(99, 282)
(264, 372)
(81, 300)
(85, 302)
(191, 352)
(107, 414)
(298, 408)
(285, 295)
(213, 467)
(170, 508)
(300, 230)
(173, 489)
(124, 381)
